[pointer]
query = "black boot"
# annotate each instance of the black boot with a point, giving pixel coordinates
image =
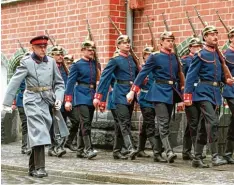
(217, 160)
(197, 162)
(141, 147)
(187, 147)
(157, 147)
(171, 156)
(117, 148)
(129, 144)
(69, 142)
(80, 147)
(39, 162)
(59, 149)
(89, 153)
(31, 164)
(24, 144)
(51, 151)
(229, 152)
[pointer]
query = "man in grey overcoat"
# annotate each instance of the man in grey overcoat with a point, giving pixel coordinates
(44, 90)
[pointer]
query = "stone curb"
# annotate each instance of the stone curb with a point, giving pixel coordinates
(100, 177)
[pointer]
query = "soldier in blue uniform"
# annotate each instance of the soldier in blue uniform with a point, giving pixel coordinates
(125, 70)
(228, 94)
(206, 96)
(72, 115)
(164, 91)
(58, 142)
(83, 76)
(148, 128)
(190, 132)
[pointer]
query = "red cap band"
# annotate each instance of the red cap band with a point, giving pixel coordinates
(39, 42)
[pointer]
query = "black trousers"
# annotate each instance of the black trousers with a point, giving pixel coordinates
(147, 129)
(85, 113)
(124, 115)
(230, 134)
(207, 112)
(37, 158)
(163, 113)
(23, 119)
(116, 125)
(193, 120)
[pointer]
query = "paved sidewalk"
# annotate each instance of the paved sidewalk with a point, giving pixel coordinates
(105, 169)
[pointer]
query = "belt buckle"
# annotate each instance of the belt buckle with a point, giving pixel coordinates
(43, 88)
(170, 82)
(91, 86)
(131, 82)
(215, 83)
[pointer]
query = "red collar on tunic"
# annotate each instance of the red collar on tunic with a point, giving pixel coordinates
(165, 51)
(123, 54)
(209, 48)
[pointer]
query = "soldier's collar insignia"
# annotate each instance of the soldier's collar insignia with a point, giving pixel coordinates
(166, 51)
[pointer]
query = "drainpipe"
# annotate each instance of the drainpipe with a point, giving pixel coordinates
(129, 21)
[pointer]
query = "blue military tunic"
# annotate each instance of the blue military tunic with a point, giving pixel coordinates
(144, 90)
(82, 72)
(186, 61)
(228, 91)
(110, 103)
(164, 66)
(207, 66)
(19, 96)
(124, 69)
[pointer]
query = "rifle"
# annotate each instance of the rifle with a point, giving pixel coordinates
(226, 71)
(135, 58)
(226, 28)
(152, 35)
(191, 24)
(200, 18)
(24, 51)
(98, 68)
(180, 71)
(63, 64)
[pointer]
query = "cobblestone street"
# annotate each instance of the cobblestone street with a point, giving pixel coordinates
(105, 169)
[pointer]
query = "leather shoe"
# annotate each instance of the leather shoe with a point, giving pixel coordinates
(51, 152)
(187, 156)
(60, 152)
(142, 154)
(39, 173)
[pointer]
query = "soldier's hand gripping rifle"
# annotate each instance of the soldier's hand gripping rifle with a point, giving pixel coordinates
(191, 24)
(135, 58)
(226, 71)
(53, 44)
(154, 44)
(98, 65)
(180, 72)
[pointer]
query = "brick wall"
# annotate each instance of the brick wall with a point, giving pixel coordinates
(66, 21)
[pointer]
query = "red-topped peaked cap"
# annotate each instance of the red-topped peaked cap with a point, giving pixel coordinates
(39, 40)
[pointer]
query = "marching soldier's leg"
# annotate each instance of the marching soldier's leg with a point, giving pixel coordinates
(212, 121)
(148, 116)
(74, 118)
(123, 113)
(190, 133)
(163, 113)
(230, 135)
(23, 118)
(86, 118)
(80, 145)
(118, 139)
(51, 151)
(39, 161)
(31, 170)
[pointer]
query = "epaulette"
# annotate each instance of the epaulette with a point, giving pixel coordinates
(204, 60)
(155, 52)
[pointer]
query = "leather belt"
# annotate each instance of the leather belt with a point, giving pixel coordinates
(91, 86)
(144, 91)
(39, 89)
(125, 82)
(215, 84)
(170, 82)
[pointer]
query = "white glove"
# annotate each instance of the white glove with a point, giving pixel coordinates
(68, 106)
(7, 109)
(57, 104)
(130, 96)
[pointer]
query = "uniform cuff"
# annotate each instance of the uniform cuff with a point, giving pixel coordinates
(102, 104)
(14, 102)
(188, 97)
(135, 88)
(98, 96)
(68, 98)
